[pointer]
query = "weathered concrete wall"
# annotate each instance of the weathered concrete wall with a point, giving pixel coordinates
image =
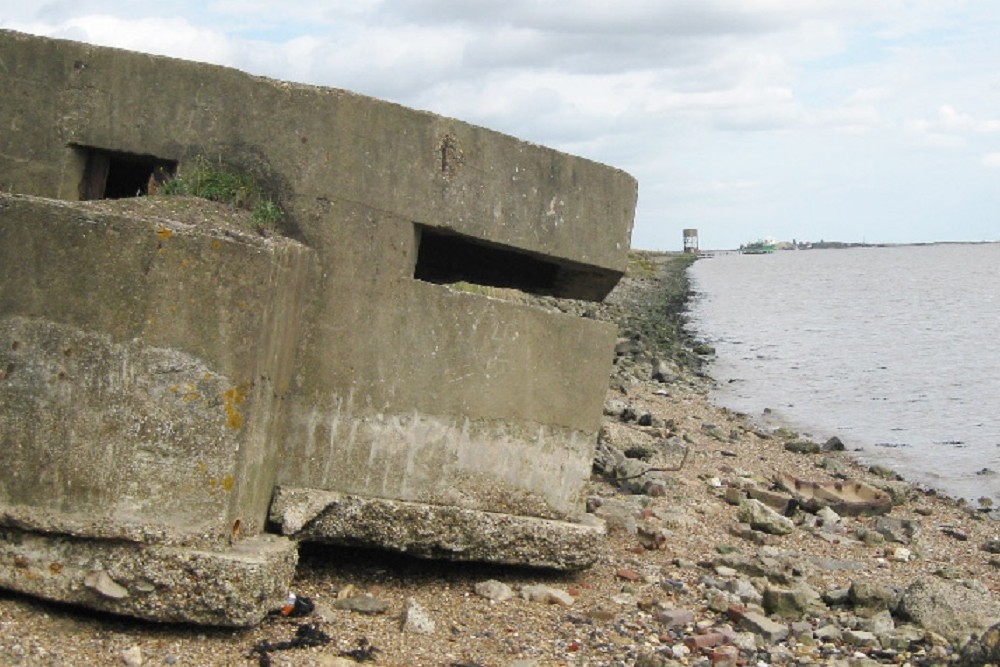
(503, 400)
(140, 360)
(318, 145)
(160, 379)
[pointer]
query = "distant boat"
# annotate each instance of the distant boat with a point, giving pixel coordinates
(759, 247)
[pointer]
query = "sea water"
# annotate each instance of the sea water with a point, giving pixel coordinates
(895, 350)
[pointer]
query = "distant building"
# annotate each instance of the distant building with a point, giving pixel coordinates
(691, 241)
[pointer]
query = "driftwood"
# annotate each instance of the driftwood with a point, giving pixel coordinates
(676, 468)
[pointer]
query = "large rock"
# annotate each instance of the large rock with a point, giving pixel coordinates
(763, 518)
(869, 598)
(762, 626)
(983, 650)
(903, 531)
(793, 603)
(952, 609)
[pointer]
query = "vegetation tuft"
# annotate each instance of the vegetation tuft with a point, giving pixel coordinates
(219, 183)
(641, 266)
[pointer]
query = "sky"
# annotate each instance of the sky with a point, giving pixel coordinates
(841, 120)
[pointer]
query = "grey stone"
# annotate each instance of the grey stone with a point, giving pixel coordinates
(883, 471)
(364, 604)
(899, 491)
(635, 476)
(665, 371)
(434, 531)
(546, 595)
(859, 638)
(132, 656)
(615, 407)
(828, 633)
(834, 444)
(951, 609)
(873, 596)
(416, 619)
(836, 596)
(780, 655)
(793, 603)
(763, 627)
(743, 589)
(828, 516)
(773, 569)
(982, 650)
(776, 500)
(802, 447)
(653, 537)
(620, 514)
(834, 465)
(745, 641)
(649, 658)
(325, 613)
(763, 518)
(901, 638)
(672, 618)
(494, 590)
(903, 531)
(105, 585)
(879, 623)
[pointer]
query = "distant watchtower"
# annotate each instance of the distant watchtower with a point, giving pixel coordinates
(690, 241)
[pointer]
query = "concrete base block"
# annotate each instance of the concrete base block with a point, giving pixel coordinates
(435, 531)
(236, 586)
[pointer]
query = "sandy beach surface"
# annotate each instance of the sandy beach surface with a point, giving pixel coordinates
(692, 571)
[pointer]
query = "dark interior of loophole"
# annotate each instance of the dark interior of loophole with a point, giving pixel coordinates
(446, 258)
(117, 175)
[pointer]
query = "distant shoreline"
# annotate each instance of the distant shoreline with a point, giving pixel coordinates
(842, 245)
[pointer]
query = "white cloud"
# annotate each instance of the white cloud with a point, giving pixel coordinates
(992, 159)
(949, 128)
(174, 37)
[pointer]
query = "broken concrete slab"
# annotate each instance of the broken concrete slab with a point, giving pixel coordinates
(232, 586)
(846, 498)
(435, 531)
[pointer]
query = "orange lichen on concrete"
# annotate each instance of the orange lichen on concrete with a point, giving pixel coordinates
(233, 398)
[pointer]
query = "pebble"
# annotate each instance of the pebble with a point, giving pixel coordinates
(365, 604)
(132, 656)
(101, 581)
(494, 590)
(546, 594)
(675, 617)
(416, 619)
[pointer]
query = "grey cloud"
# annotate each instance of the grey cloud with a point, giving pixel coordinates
(669, 19)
